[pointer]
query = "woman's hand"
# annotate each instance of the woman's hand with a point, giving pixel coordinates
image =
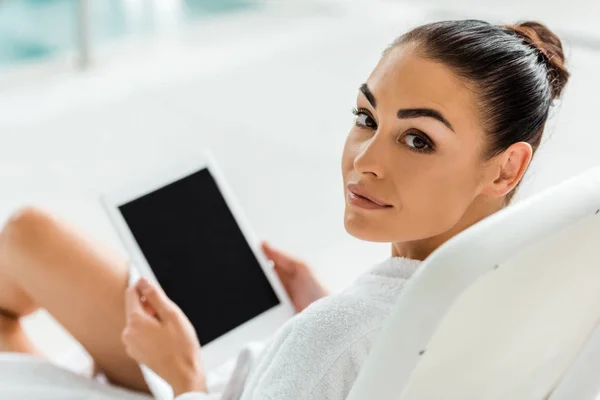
(159, 335)
(299, 281)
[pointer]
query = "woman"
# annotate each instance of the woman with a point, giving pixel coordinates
(446, 126)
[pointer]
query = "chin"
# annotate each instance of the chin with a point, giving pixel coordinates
(364, 228)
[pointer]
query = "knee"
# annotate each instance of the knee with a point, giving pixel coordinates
(27, 221)
(25, 228)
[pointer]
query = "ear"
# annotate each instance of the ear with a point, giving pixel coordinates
(507, 169)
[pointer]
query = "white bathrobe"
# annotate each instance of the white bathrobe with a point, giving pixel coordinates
(316, 355)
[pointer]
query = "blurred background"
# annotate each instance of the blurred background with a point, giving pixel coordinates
(97, 93)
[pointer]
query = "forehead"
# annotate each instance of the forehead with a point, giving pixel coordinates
(403, 79)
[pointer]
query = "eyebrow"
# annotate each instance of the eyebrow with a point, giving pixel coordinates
(365, 90)
(407, 113)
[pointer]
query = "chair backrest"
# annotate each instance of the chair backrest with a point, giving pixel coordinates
(522, 236)
(582, 380)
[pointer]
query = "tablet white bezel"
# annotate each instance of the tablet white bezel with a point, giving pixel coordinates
(260, 327)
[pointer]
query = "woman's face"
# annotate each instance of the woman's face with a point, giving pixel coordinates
(412, 164)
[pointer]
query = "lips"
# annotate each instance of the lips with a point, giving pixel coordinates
(360, 197)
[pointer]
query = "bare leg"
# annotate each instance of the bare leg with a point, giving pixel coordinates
(49, 264)
(12, 336)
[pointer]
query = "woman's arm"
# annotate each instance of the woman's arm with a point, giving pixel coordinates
(158, 335)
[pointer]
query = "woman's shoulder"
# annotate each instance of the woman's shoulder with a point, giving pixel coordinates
(358, 309)
(328, 339)
(332, 336)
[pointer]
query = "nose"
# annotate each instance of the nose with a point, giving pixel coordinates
(370, 159)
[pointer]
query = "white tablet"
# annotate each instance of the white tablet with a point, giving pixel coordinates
(184, 229)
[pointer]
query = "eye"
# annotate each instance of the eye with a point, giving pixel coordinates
(364, 119)
(418, 142)
(415, 141)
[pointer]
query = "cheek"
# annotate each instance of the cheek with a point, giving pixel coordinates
(437, 195)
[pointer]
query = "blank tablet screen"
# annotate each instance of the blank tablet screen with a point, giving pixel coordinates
(199, 255)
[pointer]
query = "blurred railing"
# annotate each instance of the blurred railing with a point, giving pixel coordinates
(84, 39)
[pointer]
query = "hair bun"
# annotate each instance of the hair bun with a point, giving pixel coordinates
(550, 47)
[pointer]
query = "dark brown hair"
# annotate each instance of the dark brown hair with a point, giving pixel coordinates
(517, 71)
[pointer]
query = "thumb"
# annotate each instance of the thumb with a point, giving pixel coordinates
(155, 297)
(283, 262)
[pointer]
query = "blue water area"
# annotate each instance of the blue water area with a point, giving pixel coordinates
(34, 29)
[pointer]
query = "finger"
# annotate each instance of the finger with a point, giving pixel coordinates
(132, 301)
(282, 261)
(135, 313)
(148, 308)
(131, 304)
(155, 297)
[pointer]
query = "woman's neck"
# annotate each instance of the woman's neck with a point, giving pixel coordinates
(422, 248)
